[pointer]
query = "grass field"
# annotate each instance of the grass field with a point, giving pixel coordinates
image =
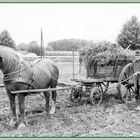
(111, 118)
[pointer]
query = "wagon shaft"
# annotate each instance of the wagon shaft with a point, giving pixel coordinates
(40, 90)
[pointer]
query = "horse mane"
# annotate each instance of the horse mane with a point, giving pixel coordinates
(10, 56)
(8, 52)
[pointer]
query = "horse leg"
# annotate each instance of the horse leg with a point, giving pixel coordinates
(47, 104)
(54, 95)
(13, 109)
(21, 99)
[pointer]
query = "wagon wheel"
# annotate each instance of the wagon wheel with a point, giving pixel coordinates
(75, 96)
(126, 84)
(95, 96)
(103, 86)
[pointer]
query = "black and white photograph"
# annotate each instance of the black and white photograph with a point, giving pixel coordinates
(70, 70)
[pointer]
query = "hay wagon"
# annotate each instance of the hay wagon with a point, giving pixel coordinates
(119, 70)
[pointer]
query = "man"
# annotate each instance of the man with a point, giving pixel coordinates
(136, 66)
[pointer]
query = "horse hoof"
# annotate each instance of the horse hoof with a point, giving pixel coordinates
(12, 123)
(21, 126)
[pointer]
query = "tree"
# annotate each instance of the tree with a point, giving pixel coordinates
(130, 33)
(68, 44)
(6, 39)
(34, 48)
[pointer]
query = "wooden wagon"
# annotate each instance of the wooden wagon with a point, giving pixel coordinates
(119, 69)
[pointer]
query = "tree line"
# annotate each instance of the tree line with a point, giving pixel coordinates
(128, 36)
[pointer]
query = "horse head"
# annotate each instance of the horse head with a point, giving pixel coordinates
(9, 59)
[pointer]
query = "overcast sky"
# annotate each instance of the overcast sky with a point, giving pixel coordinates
(95, 22)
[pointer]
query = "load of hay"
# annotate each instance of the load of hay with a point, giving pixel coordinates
(102, 53)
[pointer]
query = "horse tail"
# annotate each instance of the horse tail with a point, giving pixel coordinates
(55, 75)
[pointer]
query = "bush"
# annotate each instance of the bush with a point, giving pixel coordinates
(22, 47)
(34, 48)
(49, 48)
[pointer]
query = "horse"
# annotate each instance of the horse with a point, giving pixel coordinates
(19, 74)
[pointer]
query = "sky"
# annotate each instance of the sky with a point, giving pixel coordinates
(87, 21)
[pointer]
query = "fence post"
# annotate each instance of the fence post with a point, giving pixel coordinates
(73, 62)
(42, 45)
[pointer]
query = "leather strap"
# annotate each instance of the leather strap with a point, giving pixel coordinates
(23, 81)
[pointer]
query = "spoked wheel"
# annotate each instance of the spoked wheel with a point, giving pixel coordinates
(103, 86)
(126, 84)
(75, 95)
(95, 96)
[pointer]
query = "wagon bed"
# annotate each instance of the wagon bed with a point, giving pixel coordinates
(109, 70)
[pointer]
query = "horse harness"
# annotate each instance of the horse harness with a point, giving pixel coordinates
(21, 79)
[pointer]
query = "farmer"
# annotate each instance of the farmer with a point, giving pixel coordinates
(136, 66)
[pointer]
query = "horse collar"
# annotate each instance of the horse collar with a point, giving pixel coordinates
(21, 79)
(26, 81)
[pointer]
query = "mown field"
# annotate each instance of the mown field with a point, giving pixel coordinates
(111, 118)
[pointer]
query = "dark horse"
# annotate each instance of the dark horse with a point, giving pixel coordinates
(21, 75)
